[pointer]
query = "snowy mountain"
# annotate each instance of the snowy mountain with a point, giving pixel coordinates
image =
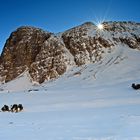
(47, 56)
(92, 99)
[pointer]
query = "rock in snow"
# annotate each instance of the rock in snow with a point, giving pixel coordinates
(45, 55)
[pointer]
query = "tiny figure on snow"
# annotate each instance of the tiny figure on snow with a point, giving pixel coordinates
(5, 108)
(136, 86)
(16, 108)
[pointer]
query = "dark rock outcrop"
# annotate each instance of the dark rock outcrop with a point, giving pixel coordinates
(20, 51)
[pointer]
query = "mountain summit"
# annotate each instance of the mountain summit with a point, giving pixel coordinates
(46, 55)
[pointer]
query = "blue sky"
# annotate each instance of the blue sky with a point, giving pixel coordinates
(59, 15)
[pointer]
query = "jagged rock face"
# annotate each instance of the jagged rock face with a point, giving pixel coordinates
(46, 55)
(84, 47)
(51, 61)
(125, 32)
(21, 50)
(41, 53)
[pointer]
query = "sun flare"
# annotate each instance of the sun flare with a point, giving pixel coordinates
(100, 26)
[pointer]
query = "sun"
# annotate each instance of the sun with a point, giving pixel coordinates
(100, 26)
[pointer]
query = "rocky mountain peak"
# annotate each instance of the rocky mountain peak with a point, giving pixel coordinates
(21, 49)
(46, 55)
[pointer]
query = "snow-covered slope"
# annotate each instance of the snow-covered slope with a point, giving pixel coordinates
(90, 102)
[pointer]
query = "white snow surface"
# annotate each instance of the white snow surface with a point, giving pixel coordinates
(91, 102)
